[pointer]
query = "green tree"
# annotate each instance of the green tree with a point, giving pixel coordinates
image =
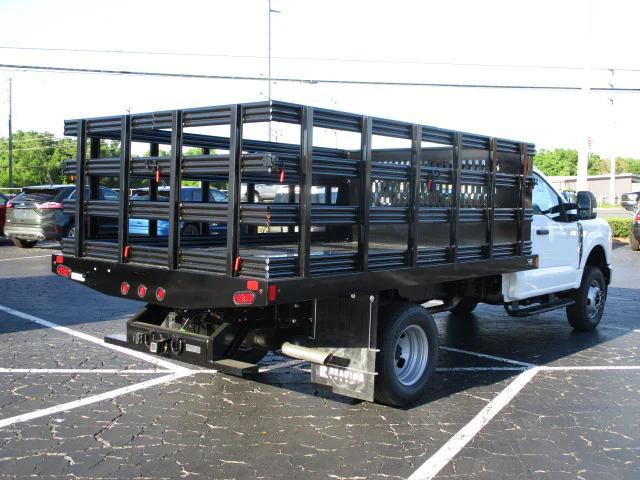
(561, 161)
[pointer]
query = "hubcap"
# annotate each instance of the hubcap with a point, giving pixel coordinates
(412, 354)
(594, 299)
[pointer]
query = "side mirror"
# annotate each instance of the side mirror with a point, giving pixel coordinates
(587, 205)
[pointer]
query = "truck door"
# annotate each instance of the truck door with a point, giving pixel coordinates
(556, 242)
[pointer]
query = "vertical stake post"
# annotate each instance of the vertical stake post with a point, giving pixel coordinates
(306, 182)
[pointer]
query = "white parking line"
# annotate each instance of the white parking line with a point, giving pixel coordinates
(93, 399)
(591, 367)
(90, 338)
(620, 328)
(480, 369)
(117, 371)
(24, 258)
(445, 454)
(490, 357)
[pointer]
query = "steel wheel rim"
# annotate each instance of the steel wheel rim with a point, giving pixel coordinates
(411, 355)
(594, 299)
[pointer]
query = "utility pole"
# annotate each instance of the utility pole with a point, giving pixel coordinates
(10, 141)
(612, 168)
(585, 141)
(269, 62)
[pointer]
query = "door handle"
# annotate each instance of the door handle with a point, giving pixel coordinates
(542, 231)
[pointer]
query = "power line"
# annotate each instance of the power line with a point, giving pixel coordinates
(41, 68)
(318, 59)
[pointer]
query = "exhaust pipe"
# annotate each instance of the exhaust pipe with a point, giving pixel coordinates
(313, 355)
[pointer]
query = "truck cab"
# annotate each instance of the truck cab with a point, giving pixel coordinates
(573, 247)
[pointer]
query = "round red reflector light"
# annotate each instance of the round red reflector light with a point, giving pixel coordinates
(160, 294)
(124, 288)
(59, 259)
(63, 271)
(142, 291)
(244, 298)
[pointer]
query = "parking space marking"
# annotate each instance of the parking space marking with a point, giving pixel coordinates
(24, 258)
(637, 330)
(490, 357)
(590, 367)
(94, 398)
(480, 369)
(117, 371)
(452, 447)
(90, 338)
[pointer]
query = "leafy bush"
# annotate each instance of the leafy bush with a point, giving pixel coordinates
(620, 227)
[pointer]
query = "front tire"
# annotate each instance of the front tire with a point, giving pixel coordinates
(408, 341)
(590, 299)
(22, 243)
(634, 242)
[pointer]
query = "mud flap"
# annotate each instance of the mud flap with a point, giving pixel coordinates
(346, 327)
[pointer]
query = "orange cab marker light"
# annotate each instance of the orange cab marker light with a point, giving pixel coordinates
(244, 298)
(252, 285)
(236, 264)
(63, 271)
(273, 293)
(157, 174)
(127, 251)
(282, 176)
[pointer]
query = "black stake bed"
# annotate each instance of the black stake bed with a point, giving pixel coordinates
(446, 206)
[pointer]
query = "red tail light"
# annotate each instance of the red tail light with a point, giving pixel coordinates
(638, 217)
(142, 291)
(160, 294)
(124, 288)
(63, 271)
(49, 206)
(244, 298)
(59, 259)
(273, 293)
(252, 285)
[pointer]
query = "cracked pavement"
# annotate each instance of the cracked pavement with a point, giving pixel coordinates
(562, 424)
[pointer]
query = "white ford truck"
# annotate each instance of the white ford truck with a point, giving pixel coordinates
(338, 268)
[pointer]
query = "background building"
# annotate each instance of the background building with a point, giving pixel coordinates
(599, 184)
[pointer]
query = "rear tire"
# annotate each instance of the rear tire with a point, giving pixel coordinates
(634, 242)
(464, 307)
(22, 243)
(408, 342)
(590, 299)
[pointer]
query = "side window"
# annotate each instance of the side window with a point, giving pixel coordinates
(3, 200)
(544, 199)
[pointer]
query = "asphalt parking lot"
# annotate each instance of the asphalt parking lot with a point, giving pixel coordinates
(514, 398)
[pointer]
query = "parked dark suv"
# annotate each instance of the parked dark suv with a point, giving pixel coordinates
(36, 214)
